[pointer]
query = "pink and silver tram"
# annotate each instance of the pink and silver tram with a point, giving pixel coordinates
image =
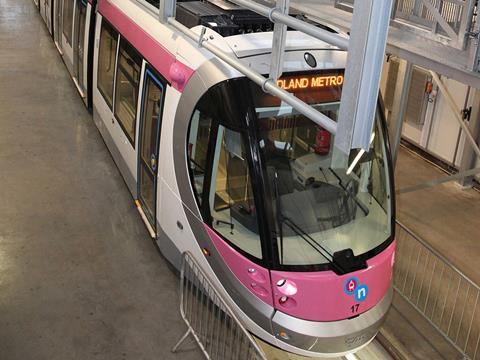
(301, 247)
(71, 23)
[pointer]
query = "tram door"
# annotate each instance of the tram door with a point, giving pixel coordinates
(79, 42)
(150, 126)
(57, 24)
(67, 31)
(45, 11)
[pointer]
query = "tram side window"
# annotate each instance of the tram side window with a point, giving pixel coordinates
(106, 62)
(232, 204)
(197, 149)
(67, 19)
(129, 66)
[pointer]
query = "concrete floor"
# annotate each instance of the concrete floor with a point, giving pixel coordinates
(446, 216)
(79, 276)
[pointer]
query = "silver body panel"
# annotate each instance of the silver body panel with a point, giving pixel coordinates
(335, 336)
(116, 154)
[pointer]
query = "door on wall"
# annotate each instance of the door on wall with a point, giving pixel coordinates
(79, 43)
(445, 138)
(149, 141)
(417, 102)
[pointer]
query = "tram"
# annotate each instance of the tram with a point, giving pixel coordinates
(300, 245)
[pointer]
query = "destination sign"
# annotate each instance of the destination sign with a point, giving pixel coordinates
(312, 88)
(306, 82)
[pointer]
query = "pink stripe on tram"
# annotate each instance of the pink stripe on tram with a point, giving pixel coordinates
(255, 278)
(161, 59)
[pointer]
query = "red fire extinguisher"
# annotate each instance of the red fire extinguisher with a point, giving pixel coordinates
(322, 141)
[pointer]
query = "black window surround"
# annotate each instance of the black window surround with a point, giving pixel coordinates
(230, 103)
(114, 35)
(134, 59)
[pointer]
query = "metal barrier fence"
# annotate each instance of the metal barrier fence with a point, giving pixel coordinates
(439, 291)
(217, 331)
(454, 20)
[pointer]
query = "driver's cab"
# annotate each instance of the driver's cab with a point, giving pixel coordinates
(270, 182)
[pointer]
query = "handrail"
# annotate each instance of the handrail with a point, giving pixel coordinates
(437, 254)
(210, 320)
(439, 291)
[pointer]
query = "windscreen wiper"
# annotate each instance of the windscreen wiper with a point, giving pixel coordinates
(282, 219)
(313, 243)
(342, 262)
(360, 205)
(197, 165)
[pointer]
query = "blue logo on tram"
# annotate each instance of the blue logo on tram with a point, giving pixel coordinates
(353, 287)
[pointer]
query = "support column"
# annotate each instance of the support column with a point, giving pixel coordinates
(469, 157)
(402, 89)
(278, 42)
(366, 50)
(166, 9)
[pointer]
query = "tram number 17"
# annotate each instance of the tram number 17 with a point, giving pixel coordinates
(354, 308)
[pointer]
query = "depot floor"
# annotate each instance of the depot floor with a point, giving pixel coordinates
(446, 216)
(79, 276)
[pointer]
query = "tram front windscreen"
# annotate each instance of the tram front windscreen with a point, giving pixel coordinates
(321, 205)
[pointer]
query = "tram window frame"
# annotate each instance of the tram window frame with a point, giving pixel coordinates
(129, 49)
(216, 103)
(209, 190)
(193, 164)
(103, 88)
(240, 150)
(69, 17)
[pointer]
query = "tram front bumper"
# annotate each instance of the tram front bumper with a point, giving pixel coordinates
(334, 338)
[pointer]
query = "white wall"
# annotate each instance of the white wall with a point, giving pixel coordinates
(445, 128)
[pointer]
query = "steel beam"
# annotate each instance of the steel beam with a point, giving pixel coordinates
(440, 20)
(439, 181)
(278, 42)
(474, 51)
(469, 158)
(448, 69)
(402, 89)
(362, 75)
(167, 9)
